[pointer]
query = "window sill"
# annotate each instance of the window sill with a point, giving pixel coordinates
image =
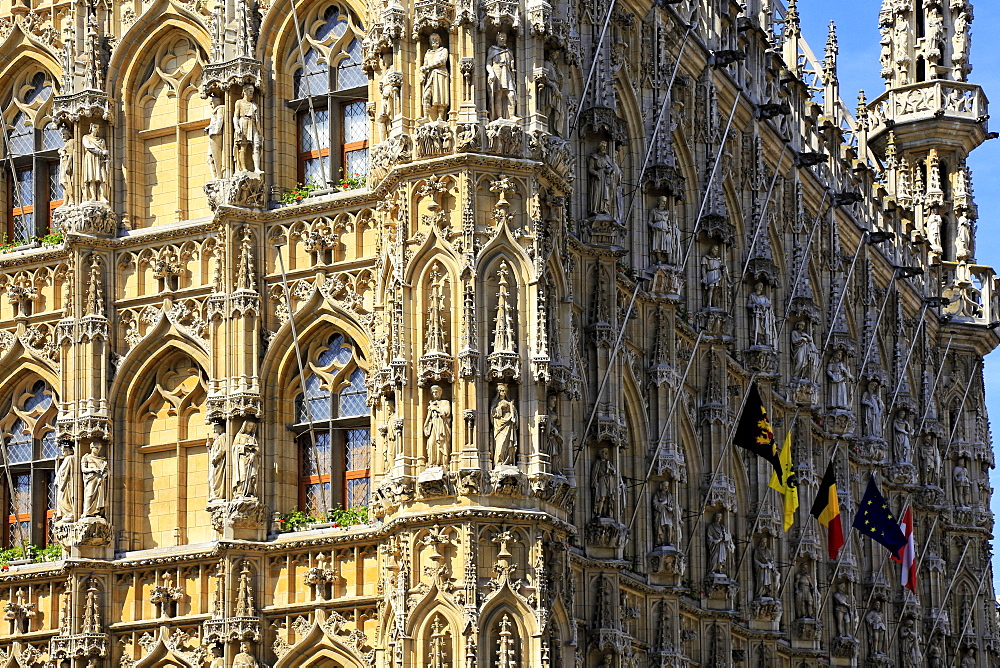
(324, 195)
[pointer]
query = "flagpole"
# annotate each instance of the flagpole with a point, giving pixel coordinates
(947, 593)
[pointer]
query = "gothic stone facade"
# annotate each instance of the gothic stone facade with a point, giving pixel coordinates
(546, 248)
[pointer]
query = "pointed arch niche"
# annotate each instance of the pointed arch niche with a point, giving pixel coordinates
(167, 118)
(167, 484)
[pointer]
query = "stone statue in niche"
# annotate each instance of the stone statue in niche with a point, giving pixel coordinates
(664, 233)
(762, 326)
(963, 484)
(963, 239)
(95, 165)
(391, 88)
(960, 44)
(66, 485)
(500, 79)
(875, 621)
(554, 439)
(902, 434)
(805, 354)
(244, 659)
(605, 178)
(721, 548)
(934, 222)
(840, 381)
(247, 135)
(503, 415)
(437, 429)
(94, 468)
(713, 276)
(606, 485)
(551, 102)
(435, 80)
(765, 570)
(806, 592)
(66, 166)
(872, 410)
(843, 610)
(218, 454)
(909, 642)
(215, 129)
(246, 461)
(930, 460)
(666, 522)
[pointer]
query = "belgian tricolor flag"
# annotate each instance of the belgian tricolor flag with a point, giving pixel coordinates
(754, 431)
(826, 509)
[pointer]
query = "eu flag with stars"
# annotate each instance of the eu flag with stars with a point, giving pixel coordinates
(875, 520)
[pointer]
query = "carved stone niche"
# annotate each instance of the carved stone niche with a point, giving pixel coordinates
(84, 104)
(664, 179)
(233, 629)
(604, 121)
(430, 15)
(500, 15)
(84, 645)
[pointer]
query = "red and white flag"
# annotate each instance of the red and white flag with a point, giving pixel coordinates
(908, 553)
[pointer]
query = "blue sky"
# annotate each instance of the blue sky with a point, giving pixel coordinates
(857, 30)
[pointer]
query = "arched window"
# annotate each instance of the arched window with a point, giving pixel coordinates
(28, 461)
(331, 98)
(31, 143)
(333, 430)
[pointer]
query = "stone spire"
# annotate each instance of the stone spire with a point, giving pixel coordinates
(928, 121)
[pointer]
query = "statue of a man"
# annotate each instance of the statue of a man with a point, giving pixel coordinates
(244, 659)
(66, 166)
(909, 642)
(840, 378)
(95, 165)
(503, 414)
(713, 275)
(765, 569)
(94, 468)
(218, 454)
(664, 233)
(247, 135)
(216, 126)
(66, 485)
(554, 439)
(435, 80)
(245, 455)
(606, 484)
(805, 592)
(437, 429)
(500, 73)
(872, 409)
(902, 433)
(963, 485)
(664, 514)
(876, 628)
(805, 354)
(843, 607)
(720, 545)
(934, 232)
(963, 239)
(551, 101)
(762, 327)
(930, 459)
(603, 181)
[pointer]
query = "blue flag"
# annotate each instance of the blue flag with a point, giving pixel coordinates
(875, 520)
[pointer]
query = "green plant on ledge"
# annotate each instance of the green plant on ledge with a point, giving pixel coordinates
(51, 552)
(299, 192)
(298, 520)
(351, 181)
(48, 241)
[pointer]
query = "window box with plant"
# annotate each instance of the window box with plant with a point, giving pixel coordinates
(298, 520)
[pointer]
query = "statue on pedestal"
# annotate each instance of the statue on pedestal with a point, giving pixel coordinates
(94, 468)
(435, 80)
(95, 165)
(500, 79)
(720, 545)
(437, 429)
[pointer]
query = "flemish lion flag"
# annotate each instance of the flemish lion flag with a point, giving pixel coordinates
(826, 509)
(754, 431)
(787, 487)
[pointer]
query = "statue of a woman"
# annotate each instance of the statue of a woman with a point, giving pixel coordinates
(66, 484)
(437, 429)
(245, 455)
(504, 417)
(95, 476)
(218, 453)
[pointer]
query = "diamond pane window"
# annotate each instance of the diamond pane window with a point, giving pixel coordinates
(349, 72)
(50, 448)
(51, 137)
(40, 398)
(55, 187)
(354, 397)
(338, 463)
(21, 136)
(355, 123)
(19, 443)
(313, 78)
(25, 194)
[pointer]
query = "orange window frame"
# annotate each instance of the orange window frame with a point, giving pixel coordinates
(306, 155)
(16, 211)
(346, 147)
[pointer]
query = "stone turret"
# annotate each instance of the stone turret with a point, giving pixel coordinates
(927, 122)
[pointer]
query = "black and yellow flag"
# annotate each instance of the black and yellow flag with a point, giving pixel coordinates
(754, 431)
